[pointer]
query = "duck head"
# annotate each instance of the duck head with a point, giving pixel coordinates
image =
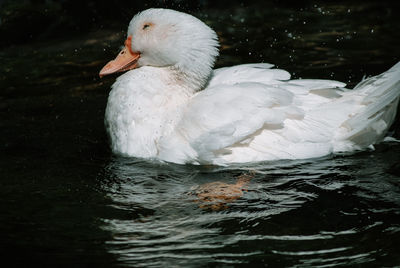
(167, 38)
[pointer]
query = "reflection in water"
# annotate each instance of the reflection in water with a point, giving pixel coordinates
(216, 195)
(293, 213)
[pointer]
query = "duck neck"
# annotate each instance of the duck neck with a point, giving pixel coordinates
(195, 66)
(191, 80)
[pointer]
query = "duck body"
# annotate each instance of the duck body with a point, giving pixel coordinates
(142, 109)
(244, 113)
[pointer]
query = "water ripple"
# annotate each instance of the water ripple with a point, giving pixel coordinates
(308, 212)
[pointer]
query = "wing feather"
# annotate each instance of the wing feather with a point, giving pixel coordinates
(230, 114)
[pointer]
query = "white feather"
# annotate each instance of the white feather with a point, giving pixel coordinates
(176, 108)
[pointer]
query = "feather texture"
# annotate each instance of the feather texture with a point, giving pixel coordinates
(244, 113)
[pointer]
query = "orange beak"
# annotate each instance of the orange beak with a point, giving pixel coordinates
(126, 60)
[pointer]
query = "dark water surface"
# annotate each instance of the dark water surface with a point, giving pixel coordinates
(67, 201)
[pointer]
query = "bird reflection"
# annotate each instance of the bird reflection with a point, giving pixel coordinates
(216, 195)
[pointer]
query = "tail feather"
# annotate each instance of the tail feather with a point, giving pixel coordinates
(380, 96)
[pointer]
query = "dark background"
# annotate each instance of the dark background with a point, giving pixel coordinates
(24, 21)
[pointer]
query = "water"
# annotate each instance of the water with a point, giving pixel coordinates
(67, 201)
(341, 210)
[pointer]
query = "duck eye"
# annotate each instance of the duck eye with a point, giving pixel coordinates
(146, 26)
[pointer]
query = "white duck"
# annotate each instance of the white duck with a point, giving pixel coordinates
(172, 106)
